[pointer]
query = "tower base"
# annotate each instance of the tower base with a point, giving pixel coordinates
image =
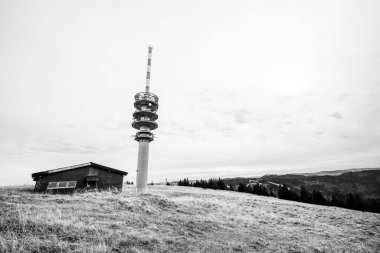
(142, 166)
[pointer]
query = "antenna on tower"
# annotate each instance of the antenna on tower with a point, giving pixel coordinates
(147, 84)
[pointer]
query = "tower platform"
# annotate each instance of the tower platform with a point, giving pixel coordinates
(146, 100)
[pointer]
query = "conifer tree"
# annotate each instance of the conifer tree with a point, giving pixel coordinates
(305, 197)
(249, 189)
(284, 192)
(256, 189)
(318, 198)
(336, 201)
(221, 184)
(241, 187)
(264, 191)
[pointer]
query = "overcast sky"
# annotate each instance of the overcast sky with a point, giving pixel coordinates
(246, 88)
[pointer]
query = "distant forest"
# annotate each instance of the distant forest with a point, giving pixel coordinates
(351, 200)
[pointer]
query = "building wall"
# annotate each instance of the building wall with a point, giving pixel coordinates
(106, 178)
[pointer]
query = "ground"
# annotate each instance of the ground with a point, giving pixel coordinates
(178, 219)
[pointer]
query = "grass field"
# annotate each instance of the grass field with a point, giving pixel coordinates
(178, 219)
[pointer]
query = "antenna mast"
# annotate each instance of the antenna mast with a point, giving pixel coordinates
(145, 116)
(147, 84)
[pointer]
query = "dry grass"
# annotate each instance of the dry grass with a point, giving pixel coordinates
(178, 219)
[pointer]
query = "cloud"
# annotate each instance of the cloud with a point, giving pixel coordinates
(241, 116)
(336, 115)
(64, 147)
(343, 97)
(75, 147)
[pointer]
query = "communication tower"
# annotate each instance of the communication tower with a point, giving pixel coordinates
(146, 104)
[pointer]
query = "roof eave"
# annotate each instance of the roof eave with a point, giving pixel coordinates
(47, 172)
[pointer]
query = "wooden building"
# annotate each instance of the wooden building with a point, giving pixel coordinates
(82, 176)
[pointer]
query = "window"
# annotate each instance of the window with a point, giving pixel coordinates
(62, 185)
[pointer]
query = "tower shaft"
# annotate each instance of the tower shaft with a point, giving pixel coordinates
(142, 166)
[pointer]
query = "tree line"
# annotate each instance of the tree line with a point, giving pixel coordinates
(212, 183)
(350, 201)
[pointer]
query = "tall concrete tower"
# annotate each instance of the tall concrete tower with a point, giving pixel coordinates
(146, 105)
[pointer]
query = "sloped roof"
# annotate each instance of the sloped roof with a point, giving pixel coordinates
(47, 172)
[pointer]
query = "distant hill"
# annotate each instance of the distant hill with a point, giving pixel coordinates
(334, 172)
(178, 219)
(357, 181)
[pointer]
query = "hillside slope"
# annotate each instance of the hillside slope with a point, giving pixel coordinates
(366, 183)
(334, 172)
(178, 219)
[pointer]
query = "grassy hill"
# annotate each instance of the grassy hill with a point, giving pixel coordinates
(178, 219)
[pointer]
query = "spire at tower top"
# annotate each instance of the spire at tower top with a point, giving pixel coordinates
(147, 84)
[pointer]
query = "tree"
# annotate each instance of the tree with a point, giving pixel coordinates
(318, 198)
(185, 182)
(212, 184)
(284, 192)
(255, 189)
(203, 184)
(354, 202)
(264, 191)
(221, 184)
(248, 189)
(336, 201)
(241, 187)
(373, 205)
(305, 197)
(294, 196)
